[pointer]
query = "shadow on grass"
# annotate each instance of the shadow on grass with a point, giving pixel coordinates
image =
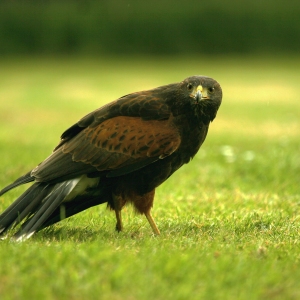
(78, 235)
(86, 235)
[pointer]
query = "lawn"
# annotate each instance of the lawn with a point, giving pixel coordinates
(229, 220)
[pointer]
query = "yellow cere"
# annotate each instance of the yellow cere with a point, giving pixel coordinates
(199, 88)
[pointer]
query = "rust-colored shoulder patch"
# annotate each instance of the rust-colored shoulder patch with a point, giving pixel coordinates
(122, 141)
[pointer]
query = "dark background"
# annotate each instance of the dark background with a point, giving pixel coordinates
(149, 27)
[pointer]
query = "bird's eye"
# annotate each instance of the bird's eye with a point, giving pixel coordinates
(189, 86)
(211, 89)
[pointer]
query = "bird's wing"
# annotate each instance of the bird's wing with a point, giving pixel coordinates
(119, 145)
(120, 137)
(124, 141)
(148, 105)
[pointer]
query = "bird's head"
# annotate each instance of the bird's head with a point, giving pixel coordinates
(204, 94)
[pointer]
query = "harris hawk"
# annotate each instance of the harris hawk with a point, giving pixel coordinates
(116, 154)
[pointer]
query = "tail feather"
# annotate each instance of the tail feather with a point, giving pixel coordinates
(35, 200)
(40, 205)
(50, 203)
(22, 180)
(12, 215)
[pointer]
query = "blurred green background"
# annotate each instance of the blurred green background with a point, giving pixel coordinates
(149, 27)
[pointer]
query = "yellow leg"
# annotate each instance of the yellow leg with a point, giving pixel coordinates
(152, 223)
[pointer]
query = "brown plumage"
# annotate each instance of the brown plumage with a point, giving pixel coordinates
(117, 154)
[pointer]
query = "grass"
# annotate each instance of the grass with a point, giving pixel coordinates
(229, 219)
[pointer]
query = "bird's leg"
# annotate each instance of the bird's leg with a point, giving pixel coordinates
(143, 205)
(152, 222)
(119, 225)
(118, 207)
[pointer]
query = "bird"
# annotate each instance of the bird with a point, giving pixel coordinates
(118, 154)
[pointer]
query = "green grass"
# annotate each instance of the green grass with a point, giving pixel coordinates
(229, 219)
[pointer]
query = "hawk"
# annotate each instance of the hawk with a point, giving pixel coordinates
(118, 154)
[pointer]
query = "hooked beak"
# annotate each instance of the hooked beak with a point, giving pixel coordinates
(201, 94)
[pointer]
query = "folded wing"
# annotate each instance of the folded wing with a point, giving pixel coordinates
(117, 146)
